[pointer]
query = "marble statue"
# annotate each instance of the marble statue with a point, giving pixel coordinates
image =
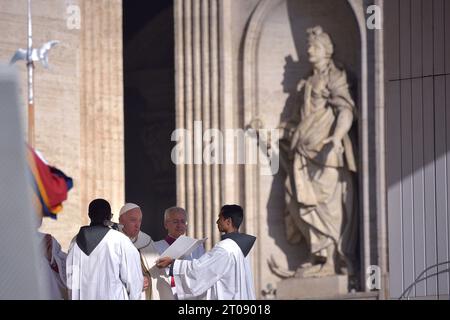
(317, 155)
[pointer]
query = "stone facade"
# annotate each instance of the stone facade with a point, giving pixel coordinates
(235, 61)
(252, 77)
(79, 107)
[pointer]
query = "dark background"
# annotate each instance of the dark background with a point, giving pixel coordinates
(149, 109)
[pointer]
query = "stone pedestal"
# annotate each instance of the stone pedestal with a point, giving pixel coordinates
(311, 288)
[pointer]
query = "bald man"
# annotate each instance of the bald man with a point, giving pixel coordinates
(155, 281)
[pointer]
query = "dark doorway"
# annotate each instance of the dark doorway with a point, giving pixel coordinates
(149, 109)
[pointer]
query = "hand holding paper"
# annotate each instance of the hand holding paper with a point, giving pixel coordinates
(182, 247)
(164, 262)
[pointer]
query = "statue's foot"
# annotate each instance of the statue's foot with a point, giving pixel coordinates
(307, 269)
(314, 262)
(317, 271)
(327, 270)
(277, 270)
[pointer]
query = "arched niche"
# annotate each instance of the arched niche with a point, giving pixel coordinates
(273, 60)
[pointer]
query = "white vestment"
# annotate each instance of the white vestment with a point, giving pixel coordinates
(165, 285)
(220, 274)
(54, 281)
(112, 271)
(160, 282)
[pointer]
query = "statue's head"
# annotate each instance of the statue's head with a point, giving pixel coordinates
(320, 45)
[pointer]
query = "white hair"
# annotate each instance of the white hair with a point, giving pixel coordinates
(168, 211)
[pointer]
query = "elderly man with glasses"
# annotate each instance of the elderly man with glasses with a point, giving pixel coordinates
(175, 222)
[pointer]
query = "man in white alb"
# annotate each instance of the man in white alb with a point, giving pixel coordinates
(102, 263)
(224, 273)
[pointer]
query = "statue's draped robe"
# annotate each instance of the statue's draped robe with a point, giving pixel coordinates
(320, 184)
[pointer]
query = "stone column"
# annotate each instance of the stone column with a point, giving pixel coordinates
(382, 239)
(203, 93)
(101, 111)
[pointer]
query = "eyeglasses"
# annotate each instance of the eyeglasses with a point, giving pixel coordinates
(178, 222)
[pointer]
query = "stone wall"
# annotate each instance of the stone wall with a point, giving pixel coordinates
(79, 108)
(253, 76)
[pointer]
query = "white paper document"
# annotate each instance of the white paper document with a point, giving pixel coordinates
(182, 247)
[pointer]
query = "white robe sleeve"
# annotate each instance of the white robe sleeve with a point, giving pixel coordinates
(69, 268)
(194, 278)
(198, 253)
(250, 293)
(59, 257)
(131, 271)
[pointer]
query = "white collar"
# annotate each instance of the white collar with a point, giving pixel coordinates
(142, 240)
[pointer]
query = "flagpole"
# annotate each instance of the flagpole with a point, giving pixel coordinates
(31, 55)
(30, 67)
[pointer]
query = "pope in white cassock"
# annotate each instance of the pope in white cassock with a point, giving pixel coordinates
(224, 273)
(156, 285)
(103, 264)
